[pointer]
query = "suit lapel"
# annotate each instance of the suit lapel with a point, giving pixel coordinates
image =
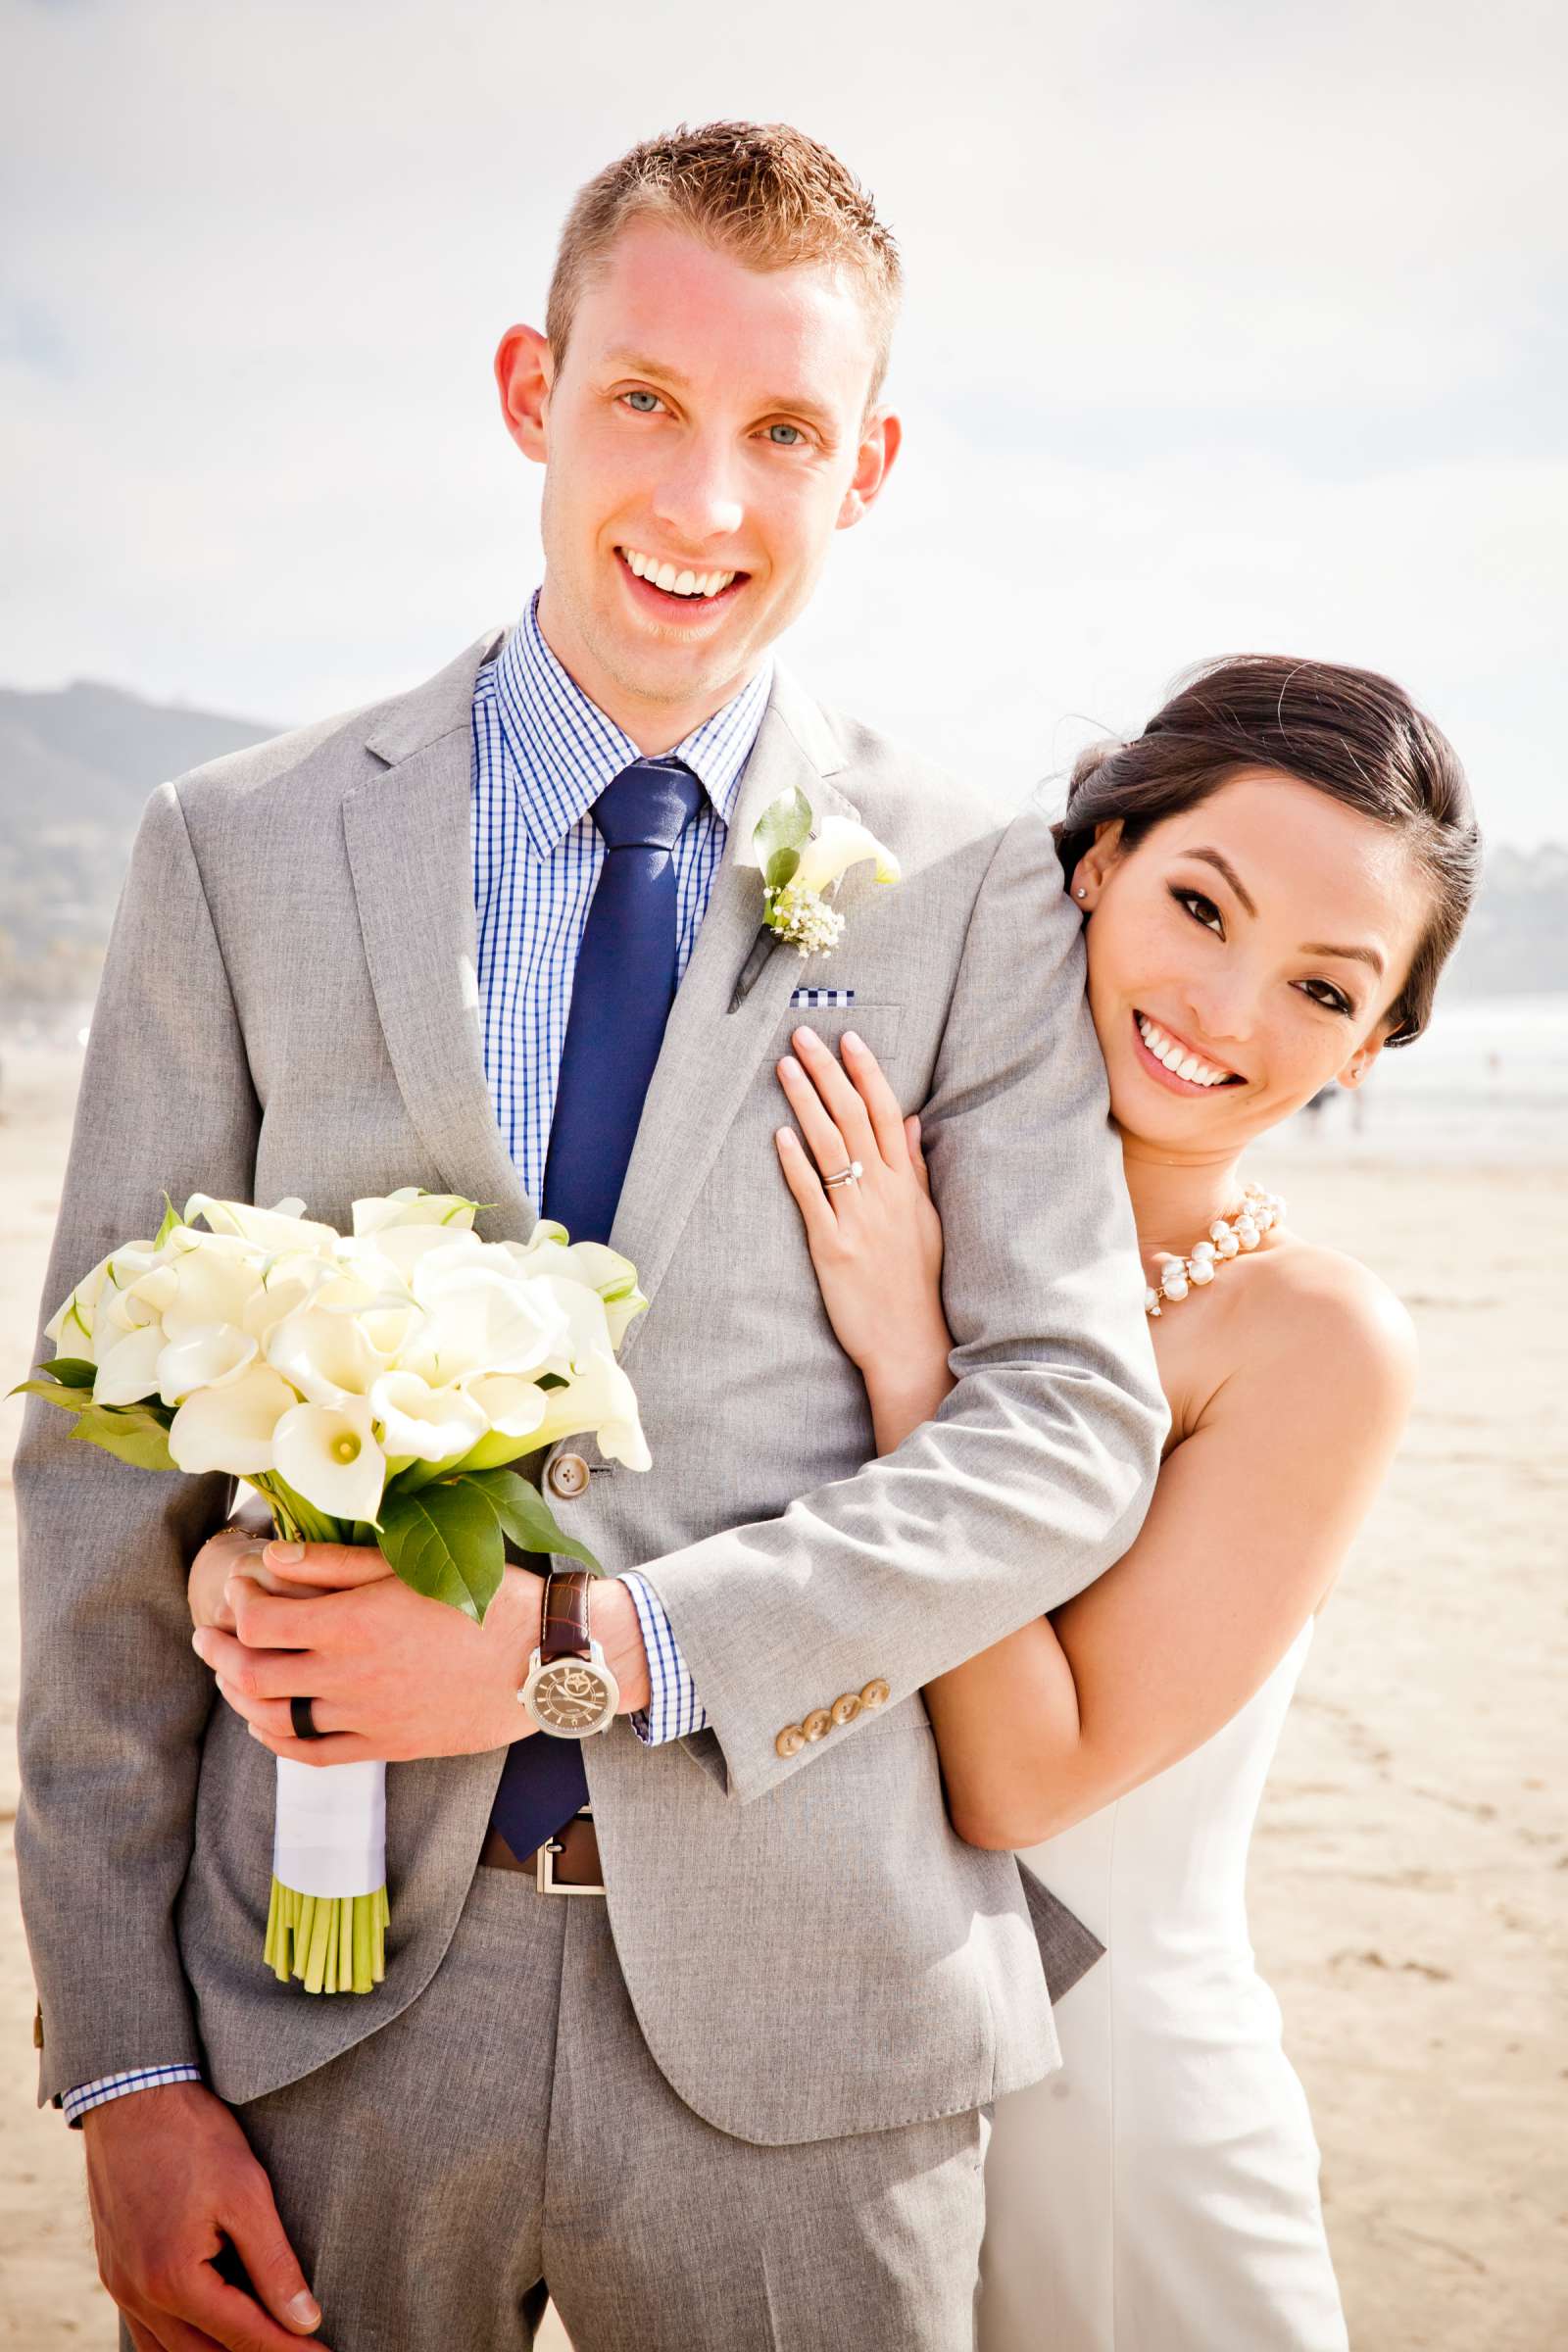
(408, 840)
(714, 1042)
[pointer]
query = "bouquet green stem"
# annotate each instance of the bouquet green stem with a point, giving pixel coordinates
(331, 1944)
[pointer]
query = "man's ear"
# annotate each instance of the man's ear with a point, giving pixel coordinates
(1088, 874)
(880, 443)
(524, 372)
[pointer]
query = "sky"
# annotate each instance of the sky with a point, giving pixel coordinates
(1230, 326)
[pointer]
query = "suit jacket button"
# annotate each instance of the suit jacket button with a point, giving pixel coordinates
(790, 1741)
(876, 1694)
(818, 1724)
(846, 1709)
(566, 1476)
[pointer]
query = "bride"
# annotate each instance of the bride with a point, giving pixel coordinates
(1271, 877)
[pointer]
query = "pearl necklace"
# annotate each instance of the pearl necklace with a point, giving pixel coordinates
(1227, 1238)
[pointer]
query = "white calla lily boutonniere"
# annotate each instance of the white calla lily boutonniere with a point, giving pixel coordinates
(802, 869)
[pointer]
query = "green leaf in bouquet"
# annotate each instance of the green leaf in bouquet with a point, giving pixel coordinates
(172, 1219)
(527, 1516)
(445, 1542)
(69, 1400)
(784, 825)
(132, 1433)
(62, 1380)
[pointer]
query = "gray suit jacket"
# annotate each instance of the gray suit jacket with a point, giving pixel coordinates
(289, 1006)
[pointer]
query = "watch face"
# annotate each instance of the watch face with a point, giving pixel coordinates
(571, 1697)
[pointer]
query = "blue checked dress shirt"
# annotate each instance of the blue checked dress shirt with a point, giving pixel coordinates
(542, 755)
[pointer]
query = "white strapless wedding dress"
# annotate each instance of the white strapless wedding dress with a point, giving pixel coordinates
(1159, 2194)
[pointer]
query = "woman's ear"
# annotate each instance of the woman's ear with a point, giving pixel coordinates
(1088, 874)
(1358, 1068)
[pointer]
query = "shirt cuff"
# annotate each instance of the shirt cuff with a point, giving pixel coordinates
(76, 2103)
(674, 1710)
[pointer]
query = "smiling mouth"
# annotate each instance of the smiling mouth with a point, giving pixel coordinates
(675, 585)
(1178, 1061)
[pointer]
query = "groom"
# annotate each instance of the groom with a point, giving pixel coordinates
(499, 935)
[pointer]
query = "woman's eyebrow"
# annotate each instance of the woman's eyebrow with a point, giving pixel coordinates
(1317, 947)
(1223, 866)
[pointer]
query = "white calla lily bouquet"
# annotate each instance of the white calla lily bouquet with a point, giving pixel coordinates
(373, 1388)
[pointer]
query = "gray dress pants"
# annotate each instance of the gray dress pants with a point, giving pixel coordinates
(508, 2135)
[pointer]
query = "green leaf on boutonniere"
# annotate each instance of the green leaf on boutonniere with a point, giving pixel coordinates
(132, 1433)
(172, 1219)
(71, 1371)
(781, 831)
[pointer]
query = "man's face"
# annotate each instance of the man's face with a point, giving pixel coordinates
(703, 437)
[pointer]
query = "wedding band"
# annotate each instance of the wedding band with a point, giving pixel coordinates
(303, 1722)
(850, 1175)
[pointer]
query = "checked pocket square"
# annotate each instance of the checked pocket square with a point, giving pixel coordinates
(823, 999)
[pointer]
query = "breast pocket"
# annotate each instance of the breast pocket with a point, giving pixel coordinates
(878, 1025)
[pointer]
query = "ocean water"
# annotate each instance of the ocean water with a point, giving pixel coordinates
(1487, 1084)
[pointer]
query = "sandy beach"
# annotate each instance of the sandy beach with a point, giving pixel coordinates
(1409, 1890)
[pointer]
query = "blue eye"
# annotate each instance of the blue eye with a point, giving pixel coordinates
(635, 401)
(774, 430)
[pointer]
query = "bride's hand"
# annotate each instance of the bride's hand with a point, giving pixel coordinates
(238, 1547)
(877, 1244)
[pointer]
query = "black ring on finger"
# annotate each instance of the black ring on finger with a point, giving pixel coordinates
(303, 1722)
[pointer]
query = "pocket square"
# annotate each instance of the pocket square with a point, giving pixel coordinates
(823, 999)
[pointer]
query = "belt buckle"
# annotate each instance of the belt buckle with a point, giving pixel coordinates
(545, 1863)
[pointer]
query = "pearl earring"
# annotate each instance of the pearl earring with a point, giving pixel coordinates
(1081, 892)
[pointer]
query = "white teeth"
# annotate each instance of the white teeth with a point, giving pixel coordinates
(673, 583)
(1176, 1058)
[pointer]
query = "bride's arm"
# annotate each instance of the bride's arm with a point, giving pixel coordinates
(1250, 1518)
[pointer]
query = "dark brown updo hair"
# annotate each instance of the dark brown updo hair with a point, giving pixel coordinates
(1348, 733)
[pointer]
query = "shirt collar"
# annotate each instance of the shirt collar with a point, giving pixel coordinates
(562, 750)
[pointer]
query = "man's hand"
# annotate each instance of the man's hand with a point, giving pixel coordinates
(170, 2177)
(393, 1675)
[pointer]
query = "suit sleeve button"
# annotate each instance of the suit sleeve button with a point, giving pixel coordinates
(876, 1694)
(846, 1709)
(818, 1724)
(790, 1741)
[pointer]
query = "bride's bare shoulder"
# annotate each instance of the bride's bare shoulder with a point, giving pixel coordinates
(1327, 1313)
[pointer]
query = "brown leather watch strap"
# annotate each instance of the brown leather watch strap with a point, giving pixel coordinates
(563, 1628)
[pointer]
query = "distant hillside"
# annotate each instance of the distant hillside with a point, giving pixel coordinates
(76, 766)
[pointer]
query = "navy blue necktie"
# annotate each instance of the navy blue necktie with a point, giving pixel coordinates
(622, 993)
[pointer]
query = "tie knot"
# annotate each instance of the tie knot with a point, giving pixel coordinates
(648, 806)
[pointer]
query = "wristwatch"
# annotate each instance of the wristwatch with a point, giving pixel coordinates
(570, 1692)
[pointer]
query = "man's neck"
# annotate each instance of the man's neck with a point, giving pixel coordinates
(653, 727)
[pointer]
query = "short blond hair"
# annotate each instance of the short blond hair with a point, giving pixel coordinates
(761, 192)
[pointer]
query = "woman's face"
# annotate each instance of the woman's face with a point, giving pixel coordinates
(1244, 955)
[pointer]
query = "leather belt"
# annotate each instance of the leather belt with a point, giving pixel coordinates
(566, 1863)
